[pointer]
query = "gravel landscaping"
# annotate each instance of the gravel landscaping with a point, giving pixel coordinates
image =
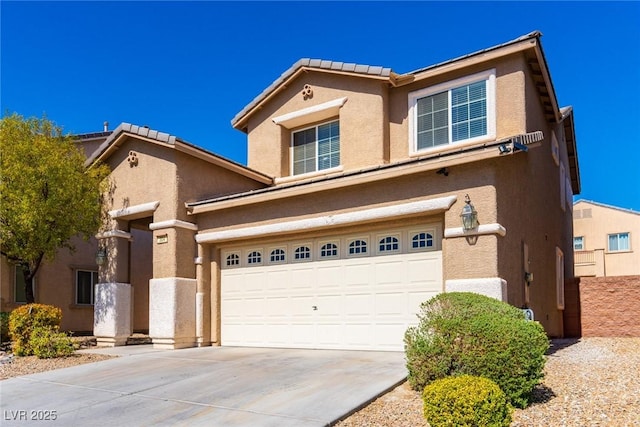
(588, 382)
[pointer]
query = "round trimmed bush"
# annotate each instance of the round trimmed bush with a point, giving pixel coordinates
(467, 333)
(23, 320)
(466, 401)
(47, 342)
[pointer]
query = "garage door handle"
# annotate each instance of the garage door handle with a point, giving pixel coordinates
(315, 307)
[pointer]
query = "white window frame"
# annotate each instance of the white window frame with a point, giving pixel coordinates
(381, 237)
(413, 233)
(277, 248)
(316, 170)
(489, 76)
(350, 241)
(581, 243)
(225, 259)
(93, 284)
(250, 252)
(559, 278)
(628, 249)
(295, 249)
(328, 242)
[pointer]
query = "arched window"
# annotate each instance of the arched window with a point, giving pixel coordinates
(303, 252)
(329, 250)
(277, 255)
(422, 240)
(389, 244)
(254, 257)
(357, 247)
(233, 259)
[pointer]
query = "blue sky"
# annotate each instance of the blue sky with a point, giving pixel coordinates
(187, 68)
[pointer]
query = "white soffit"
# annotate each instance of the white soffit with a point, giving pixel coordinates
(310, 114)
(135, 212)
(436, 205)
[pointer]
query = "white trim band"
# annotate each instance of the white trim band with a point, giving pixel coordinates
(437, 205)
(135, 212)
(494, 287)
(114, 233)
(310, 114)
(173, 223)
(481, 230)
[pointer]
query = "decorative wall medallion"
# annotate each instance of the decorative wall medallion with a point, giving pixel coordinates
(132, 158)
(307, 92)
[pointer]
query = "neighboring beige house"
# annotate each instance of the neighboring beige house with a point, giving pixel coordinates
(606, 240)
(349, 213)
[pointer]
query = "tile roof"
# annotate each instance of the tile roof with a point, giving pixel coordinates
(604, 205)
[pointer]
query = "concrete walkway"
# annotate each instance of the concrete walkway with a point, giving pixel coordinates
(211, 386)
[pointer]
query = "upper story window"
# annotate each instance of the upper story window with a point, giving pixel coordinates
(459, 111)
(619, 242)
(578, 243)
(85, 282)
(316, 148)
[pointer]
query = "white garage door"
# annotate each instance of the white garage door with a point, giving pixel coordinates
(347, 292)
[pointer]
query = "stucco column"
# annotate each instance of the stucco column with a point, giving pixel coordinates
(173, 288)
(203, 302)
(112, 296)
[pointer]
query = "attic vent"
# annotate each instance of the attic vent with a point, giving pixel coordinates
(586, 213)
(307, 92)
(577, 214)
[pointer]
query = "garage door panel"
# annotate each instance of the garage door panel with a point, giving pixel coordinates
(363, 303)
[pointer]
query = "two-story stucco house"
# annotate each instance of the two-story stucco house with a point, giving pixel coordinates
(350, 211)
(606, 240)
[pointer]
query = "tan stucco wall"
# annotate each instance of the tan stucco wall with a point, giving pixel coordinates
(595, 230)
(363, 139)
(55, 284)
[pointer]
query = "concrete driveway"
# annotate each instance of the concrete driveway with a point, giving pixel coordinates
(212, 386)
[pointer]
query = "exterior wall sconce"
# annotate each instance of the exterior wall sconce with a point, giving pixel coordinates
(469, 215)
(101, 256)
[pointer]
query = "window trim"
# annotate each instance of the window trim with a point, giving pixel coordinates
(250, 252)
(93, 285)
(628, 249)
(414, 232)
(228, 254)
(381, 237)
(581, 243)
(489, 76)
(316, 171)
(321, 244)
(294, 252)
(352, 240)
(277, 248)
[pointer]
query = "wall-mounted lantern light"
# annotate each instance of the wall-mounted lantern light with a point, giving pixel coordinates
(469, 215)
(101, 255)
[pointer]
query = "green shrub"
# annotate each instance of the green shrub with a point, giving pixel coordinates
(466, 333)
(23, 320)
(47, 342)
(466, 401)
(4, 326)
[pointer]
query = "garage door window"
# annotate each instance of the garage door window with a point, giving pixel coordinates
(302, 253)
(389, 244)
(233, 260)
(329, 250)
(277, 255)
(358, 247)
(422, 241)
(254, 257)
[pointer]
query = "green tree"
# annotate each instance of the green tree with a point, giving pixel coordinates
(47, 194)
